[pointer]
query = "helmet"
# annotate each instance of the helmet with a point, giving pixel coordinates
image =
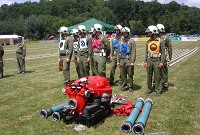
(91, 29)
(160, 27)
(74, 31)
(98, 27)
(63, 30)
(118, 26)
(152, 29)
(82, 28)
(126, 29)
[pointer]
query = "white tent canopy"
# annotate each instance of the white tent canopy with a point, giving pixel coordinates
(9, 36)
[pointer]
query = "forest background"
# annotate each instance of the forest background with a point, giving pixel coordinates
(38, 21)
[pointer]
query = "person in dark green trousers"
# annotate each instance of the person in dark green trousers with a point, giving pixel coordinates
(154, 60)
(114, 42)
(85, 51)
(126, 56)
(1, 61)
(168, 55)
(20, 55)
(65, 54)
(74, 33)
(100, 47)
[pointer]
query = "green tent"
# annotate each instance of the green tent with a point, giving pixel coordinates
(89, 23)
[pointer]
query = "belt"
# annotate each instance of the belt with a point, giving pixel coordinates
(150, 55)
(19, 52)
(99, 54)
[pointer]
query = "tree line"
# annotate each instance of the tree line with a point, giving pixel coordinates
(40, 20)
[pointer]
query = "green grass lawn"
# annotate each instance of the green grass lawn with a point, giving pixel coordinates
(24, 95)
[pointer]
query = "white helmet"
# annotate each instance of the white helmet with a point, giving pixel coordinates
(63, 30)
(160, 27)
(91, 29)
(118, 26)
(126, 29)
(82, 28)
(74, 31)
(98, 27)
(152, 29)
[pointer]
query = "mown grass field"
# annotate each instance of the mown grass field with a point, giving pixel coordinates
(24, 95)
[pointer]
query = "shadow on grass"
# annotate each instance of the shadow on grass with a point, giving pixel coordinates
(171, 85)
(29, 72)
(6, 76)
(137, 87)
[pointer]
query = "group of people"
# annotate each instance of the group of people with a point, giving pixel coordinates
(92, 50)
(20, 57)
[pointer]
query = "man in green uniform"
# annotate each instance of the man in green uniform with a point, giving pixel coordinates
(91, 35)
(75, 48)
(84, 52)
(100, 46)
(1, 61)
(65, 54)
(20, 55)
(154, 60)
(114, 42)
(126, 56)
(168, 55)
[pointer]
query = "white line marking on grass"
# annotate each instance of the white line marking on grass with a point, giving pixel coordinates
(32, 67)
(191, 52)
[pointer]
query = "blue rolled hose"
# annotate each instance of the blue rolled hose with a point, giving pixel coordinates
(128, 124)
(138, 128)
(46, 113)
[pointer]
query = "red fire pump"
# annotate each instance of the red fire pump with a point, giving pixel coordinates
(89, 100)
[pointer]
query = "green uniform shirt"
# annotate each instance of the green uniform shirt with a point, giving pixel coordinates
(21, 49)
(84, 46)
(162, 49)
(132, 48)
(168, 44)
(68, 48)
(105, 45)
(111, 45)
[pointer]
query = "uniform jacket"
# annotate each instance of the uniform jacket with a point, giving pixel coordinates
(113, 41)
(132, 49)
(162, 49)
(168, 45)
(105, 44)
(68, 48)
(21, 49)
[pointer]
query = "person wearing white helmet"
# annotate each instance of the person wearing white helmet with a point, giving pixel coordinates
(114, 42)
(100, 47)
(65, 53)
(168, 54)
(154, 59)
(75, 35)
(84, 45)
(126, 56)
